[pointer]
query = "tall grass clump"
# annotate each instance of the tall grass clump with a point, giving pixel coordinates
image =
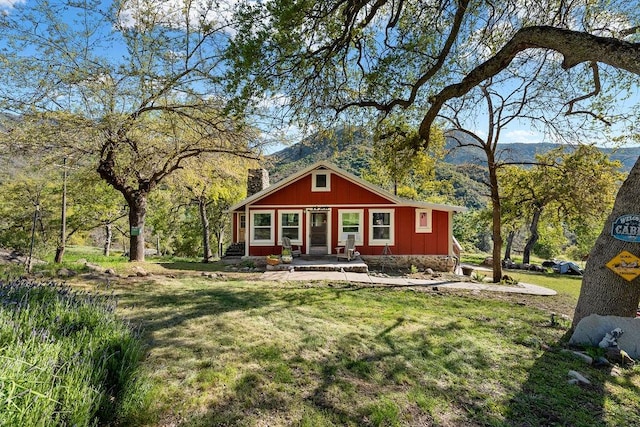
(65, 359)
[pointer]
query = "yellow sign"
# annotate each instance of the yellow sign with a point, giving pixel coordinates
(625, 265)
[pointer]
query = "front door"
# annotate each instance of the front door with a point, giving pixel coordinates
(318, 238)
(242, 227)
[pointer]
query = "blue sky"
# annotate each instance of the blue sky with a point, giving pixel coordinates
(517, 132)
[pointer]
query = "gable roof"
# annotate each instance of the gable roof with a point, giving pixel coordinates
(350, 177)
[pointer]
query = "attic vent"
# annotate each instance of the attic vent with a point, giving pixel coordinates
(257, 181)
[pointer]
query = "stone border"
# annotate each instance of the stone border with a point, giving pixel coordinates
(442, 263)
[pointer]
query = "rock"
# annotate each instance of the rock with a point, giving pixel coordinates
(488, 261)
(602, 361)
(616, 355)
(140, 272)
(429, 271)
(110, 272)
(65, 272)
(578, 378)
(592, 329)
(93, 267)
(585, 357)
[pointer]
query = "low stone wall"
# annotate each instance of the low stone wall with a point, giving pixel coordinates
(422, 262)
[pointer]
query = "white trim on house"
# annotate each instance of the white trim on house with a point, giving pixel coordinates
(297, 241)
(373, 226)
(271, 241)
(309, 211)
(421, 216)
(342, 235)
(314, 180)
(393, 200)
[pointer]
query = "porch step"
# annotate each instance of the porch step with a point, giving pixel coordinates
(235, 249)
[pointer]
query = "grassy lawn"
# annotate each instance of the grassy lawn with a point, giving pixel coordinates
(250, 353)
(237, 351)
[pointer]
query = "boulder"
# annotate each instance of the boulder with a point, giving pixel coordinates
(140, 272)
(592, 329)
(488, 261)
(65, 272)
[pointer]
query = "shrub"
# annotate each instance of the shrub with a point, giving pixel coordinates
(65, 359)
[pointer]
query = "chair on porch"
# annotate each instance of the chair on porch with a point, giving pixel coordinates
(286, 244)
(349, 249)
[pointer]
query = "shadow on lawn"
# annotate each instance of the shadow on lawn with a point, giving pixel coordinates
(349, 382)
(161, 311)
(192, 266)
(548, 399)
(355, 380)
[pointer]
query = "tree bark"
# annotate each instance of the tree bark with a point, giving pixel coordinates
(108, 236)
(507, 248)
(206, 231)
(603, 291)
(63, 216)
(137, 211)
(496, 219)
(533, 237)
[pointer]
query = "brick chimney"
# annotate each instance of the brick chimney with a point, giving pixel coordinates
(257, 181)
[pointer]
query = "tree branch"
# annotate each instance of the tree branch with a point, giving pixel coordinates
(575, 46)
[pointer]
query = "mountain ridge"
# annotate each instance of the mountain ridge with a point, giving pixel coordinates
(463, 166)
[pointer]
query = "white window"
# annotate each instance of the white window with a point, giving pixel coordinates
(381, 227)
(423, 221)
(320, 180)
(291, 226)
(350, 221)
(262, 228)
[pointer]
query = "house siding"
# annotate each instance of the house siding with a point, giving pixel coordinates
(343, 192)
(406, 241)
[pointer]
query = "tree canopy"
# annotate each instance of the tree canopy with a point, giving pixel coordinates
(334, 57)
(137, 87)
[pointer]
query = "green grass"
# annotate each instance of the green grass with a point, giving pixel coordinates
(65, 359)
(263, 353)
(562, 283)
(241, 352)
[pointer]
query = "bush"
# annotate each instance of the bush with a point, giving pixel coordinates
(65, 359)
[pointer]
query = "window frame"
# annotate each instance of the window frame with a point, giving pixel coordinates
(314, 175)
(429, 215)
(262, 242)
(297, 241)
(342, 236)
(382, 242)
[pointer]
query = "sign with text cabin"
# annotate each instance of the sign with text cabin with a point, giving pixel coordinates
(627, 228)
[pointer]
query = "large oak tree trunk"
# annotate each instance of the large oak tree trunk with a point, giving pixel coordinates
(137, 212)
(533, 237)
(603, 291)
(496, 216)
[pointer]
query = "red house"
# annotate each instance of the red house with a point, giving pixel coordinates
(319, 206)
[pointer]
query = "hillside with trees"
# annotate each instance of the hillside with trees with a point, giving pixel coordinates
(463, 168)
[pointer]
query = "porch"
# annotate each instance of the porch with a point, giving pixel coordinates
(321, 263)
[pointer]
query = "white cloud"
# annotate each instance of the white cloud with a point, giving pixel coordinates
(177, 13)
(9, 4)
